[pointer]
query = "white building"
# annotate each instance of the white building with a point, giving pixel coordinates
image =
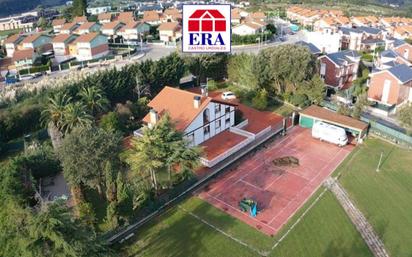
(326, 42)
(199, 117)
(248, 28)
(98, 10)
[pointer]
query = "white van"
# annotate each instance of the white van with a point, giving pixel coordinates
(329, 133)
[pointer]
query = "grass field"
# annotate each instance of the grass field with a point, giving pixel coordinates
(324, 231)
(385, 197)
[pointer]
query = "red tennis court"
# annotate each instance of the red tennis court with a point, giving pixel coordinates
(279, 192)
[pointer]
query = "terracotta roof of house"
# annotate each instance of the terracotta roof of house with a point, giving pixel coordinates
(235, 13)
(171, 11)
(80, 19)
(179, 105)
(151, 16)
(31, 38)
(69, 26)
(23, 54)
(58, 22)
(258, 15)
(130, 25)
(61, 38)
(125, 17)
(252, 25)
(168, 26)
(86, 25)
(333, 117)
(85, 38)
(111, 25)
(104, 16)
(12, 39)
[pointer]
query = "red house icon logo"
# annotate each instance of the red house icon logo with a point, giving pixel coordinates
(207, 21)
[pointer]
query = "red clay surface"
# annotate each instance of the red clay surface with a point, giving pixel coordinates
(279, 191)
(220, 143)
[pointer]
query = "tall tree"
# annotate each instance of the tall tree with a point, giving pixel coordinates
(161, 148)
(94, 98)
(53, 114)
(79, 7)
(75, 115)
(84, 154)
(240, 71)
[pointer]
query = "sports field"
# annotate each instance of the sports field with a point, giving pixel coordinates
(385, 197)
(196, 228)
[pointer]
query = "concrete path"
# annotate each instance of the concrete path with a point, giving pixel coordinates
(371, 239)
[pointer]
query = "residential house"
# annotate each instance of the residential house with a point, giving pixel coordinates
(169, 32)
(110, 29)
(326, 42)
(171, 15)
(338, 70)
(11, 43)
(365, 21)
(237, 15)
(91, 46)
(390, 89)
(362, 38)
(248, 28)
(199, 117)
(80, 19)
(39, 42)
(61, 44)
(88, 27)
(69, 28)
(125, 17)
(258, 16)
(104, 18)
(58, 24)
(17, 22)
(388, 59)
(133, 30)
(151, 17)
(326, 24)
(24, 59)
(98, 10)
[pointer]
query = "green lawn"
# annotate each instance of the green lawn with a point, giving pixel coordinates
(325, 231)
(385, 197)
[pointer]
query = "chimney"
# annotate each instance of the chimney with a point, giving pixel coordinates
(203, 90)
(154, 117)
(196, 101)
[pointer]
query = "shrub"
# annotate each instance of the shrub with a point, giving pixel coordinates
(260, 101)
(300, 100)
(42, 162)
(212, 85)
(111, 122)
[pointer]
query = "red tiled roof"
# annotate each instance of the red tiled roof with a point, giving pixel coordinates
(333, 117)
(12, 39)
(125, 17)
(80, 19)
(104, 16)
(151, 16)
(86, 38)
(220, 143)
(111, 25)
(179, 105)
(31, 38)
(23, 54)
(62, 38)
(86, 25)
(68, 26)
(168, 26)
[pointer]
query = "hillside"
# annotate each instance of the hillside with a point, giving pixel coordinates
(9, 7)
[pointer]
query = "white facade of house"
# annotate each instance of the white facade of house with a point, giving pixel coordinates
(326, 42)
(10, 48)
(221, 117)
(98, 10)
(85, 50)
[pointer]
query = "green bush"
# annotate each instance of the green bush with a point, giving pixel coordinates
(260, 101)
(42, 162)
(300, 100)
(212, 85)
(111, 122)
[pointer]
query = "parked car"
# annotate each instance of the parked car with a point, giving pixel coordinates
(26, 77)
(228, 95)
(329, 133)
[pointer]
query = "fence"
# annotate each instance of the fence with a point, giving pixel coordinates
(387, 130)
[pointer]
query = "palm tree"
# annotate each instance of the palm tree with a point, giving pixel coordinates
(75, 115)
(94, 99)
(53, 114)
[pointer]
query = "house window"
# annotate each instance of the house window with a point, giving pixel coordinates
(217, 108)
(191, 138)
(227, 121)
(227, 109)
(206, 116)
(217, 124)
(206, 131)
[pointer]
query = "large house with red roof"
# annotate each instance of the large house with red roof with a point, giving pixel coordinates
(91, 46)
(209, 122)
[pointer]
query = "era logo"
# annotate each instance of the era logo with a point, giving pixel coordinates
(206, 28)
